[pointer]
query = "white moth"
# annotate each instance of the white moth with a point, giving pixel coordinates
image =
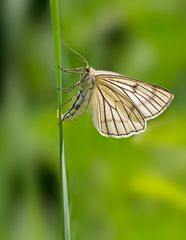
(121, 105)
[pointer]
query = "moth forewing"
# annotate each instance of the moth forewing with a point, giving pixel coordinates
(147, 97)
(114, 115)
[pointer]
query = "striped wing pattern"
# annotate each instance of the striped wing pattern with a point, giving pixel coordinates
(122, 105)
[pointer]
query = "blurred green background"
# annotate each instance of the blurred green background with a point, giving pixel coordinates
(119, 189)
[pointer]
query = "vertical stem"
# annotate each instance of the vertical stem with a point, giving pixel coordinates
(64, 208)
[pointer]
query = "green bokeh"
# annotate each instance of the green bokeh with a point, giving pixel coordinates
(119, 189)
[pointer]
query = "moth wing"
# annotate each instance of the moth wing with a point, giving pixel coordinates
(149, 99)
(114, 114)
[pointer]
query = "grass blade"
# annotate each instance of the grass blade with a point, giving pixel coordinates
(64, 208)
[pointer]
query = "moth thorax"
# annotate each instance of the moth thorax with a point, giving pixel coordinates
(88, 74)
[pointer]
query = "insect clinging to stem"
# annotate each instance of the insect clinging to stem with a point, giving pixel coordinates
(121, 105)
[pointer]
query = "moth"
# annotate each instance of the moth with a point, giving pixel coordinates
(121, 105)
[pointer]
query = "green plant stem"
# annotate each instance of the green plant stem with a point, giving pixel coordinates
(64, 209)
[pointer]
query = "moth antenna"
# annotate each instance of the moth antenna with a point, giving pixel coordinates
(74, 51)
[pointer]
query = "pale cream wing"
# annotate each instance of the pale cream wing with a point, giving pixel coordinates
(114, 114)
(149, 99)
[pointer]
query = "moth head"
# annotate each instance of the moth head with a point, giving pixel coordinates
(87, 69)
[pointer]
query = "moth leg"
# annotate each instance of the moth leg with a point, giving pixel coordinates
(78, 84)
(66, 90)
(70, 99)
(72, 70)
